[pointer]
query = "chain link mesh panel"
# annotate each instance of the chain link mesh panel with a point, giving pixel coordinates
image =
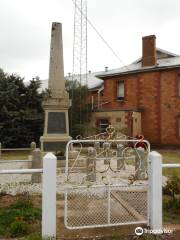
(100, 206)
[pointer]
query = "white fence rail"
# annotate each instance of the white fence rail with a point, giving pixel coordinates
(48, 192)
(15, 161)
(171, 165)
(21, 171)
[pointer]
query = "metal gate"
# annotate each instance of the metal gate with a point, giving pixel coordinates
(110, 187)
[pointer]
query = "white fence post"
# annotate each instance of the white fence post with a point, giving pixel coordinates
(155, 191)
(49, 196)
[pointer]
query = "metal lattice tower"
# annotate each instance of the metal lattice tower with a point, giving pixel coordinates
(80, 39)
(79, 70)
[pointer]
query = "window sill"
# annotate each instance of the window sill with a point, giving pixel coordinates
(120, 100)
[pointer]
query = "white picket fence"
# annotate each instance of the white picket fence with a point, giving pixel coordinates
(49, 191)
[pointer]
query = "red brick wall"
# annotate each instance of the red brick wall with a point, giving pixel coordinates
(149, 102)
(110, 92)
(170, 107)
(156, 94)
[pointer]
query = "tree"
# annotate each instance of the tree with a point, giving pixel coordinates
(78, 113)
(21, 115)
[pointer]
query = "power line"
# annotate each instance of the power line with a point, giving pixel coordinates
(100, 35)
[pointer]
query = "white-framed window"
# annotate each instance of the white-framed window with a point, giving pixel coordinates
(120, 90)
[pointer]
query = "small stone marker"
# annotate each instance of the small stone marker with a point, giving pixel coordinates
(36, 164)
(97, 146)
(120, 158)
(0, 149)
(140, 169)
(91, 165)
(33, 146)
(107, 152)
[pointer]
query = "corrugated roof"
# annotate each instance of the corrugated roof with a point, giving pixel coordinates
(172, 61)
(92, 81)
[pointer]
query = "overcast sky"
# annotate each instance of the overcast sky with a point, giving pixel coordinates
(25, 27)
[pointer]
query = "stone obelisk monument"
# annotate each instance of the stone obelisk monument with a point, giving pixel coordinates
(56, 104)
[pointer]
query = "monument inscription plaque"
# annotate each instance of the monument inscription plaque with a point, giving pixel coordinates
(54, 146)
(56, 123)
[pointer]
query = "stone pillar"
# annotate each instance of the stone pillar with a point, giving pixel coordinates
(33, 146)
(107, 152)
(56, 65)
(91, 165)
(56, 104)
(36, 164)
(120, 157)
(97, 146)
(140, 169)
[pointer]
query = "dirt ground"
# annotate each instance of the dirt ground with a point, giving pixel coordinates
(108, 233)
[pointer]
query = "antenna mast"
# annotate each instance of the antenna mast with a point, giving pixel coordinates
(79, 70)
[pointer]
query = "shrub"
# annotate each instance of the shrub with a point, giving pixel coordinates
(18, 229)
(172, 205)
(23, 201)
(20, 204)
(173, 187)
(20, 218)
(34, 236)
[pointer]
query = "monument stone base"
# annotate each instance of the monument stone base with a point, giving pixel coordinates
(56, 131)
(54, 144)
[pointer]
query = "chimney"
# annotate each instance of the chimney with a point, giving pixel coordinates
(149, 58)
(106, 69)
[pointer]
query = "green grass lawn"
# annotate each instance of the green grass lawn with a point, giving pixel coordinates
(15, 155)
(170, 156)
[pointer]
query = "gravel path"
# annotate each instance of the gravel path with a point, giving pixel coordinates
(18, 183)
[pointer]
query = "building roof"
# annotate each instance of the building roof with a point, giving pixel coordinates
(165, 60)
(93, 82)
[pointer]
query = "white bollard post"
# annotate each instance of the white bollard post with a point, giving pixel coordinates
(155, 191)
(49, 196)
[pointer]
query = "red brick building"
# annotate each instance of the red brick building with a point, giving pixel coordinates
(143, 97)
